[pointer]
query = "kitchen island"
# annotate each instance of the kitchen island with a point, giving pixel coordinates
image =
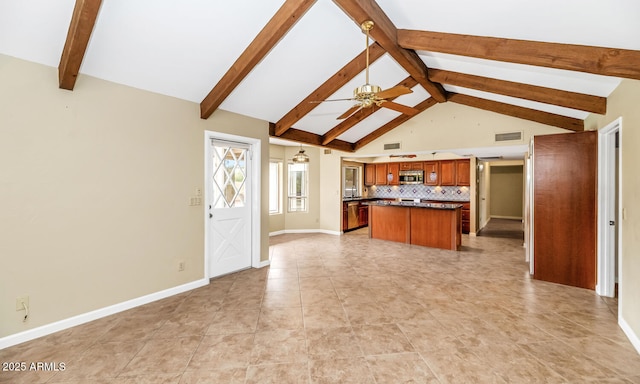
(428, 224)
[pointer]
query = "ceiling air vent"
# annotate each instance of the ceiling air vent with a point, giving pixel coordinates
(391, 146)
(509, 136)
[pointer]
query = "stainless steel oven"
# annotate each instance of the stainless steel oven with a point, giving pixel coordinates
(411, 177)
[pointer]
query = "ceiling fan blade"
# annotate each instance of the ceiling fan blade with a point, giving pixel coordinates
(410, 111)
(322, 101)
(393, 92)
(349, 112)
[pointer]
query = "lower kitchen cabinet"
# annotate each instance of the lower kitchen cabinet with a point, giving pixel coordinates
(354, 215)
(363, 215)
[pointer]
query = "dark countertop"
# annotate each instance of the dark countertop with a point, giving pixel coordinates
(390, 203)
(345, 199)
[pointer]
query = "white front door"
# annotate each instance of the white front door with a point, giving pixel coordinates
(230, 208)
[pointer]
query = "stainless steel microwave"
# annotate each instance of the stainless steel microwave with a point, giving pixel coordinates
(411, 177)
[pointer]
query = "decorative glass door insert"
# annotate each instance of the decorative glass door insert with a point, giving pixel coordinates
(229, 176)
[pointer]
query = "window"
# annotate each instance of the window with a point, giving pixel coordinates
(298, 187)
(351, 182)
(275, 187)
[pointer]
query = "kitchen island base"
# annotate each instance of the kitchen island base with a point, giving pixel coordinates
(430, 225)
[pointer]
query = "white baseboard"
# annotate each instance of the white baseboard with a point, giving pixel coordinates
(506, 217)
(263, 263)
(276, 233)
(48, 329)
(633, 338)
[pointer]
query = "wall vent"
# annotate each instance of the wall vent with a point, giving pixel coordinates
(390, 146)
(327, 151)
(509, 136)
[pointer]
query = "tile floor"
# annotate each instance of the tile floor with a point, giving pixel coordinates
(347, 309)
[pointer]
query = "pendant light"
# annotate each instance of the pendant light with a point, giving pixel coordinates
(300, 157)
(433, 176)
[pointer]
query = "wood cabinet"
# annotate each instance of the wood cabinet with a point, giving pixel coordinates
(393, 169)
(369, 174)
(411, 166)
(361, 210)
(429, 167)
(363, 215)
(447, 172)
(345, 217)
(466, 217)
(381, 174)
(463, 172)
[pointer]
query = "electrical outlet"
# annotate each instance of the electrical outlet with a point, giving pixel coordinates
(180, 266)
(20, 300)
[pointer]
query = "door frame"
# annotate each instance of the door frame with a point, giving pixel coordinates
(607, 188)
(256, 182)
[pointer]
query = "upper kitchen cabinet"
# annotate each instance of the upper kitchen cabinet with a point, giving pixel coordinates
(463, 172)
(411, 166)
(369, 174)
(448, 172)
(393, 173)
(431, 173)
(381, 174)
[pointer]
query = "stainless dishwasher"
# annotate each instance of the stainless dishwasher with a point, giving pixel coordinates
(352, 214)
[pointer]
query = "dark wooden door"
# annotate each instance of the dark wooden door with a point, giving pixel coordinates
(564, 208)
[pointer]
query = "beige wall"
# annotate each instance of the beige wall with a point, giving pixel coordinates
(94, 192)
(449, 126)
(623, 102)
(507, 191)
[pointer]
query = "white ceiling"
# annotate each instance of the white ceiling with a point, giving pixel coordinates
(182, 48)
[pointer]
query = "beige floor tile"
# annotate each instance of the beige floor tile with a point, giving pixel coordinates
(282, 299)
(343, 308)
(382, 339)
(322, 316)
(316, 282)
(343, 371)
(570, 363)
(215, 375)
(289, 318)
(101, 361)
(279, 346)
(297, 373)
(332, 343)
(234, 321)
(163, 356)
(401, 368)
(222, 352)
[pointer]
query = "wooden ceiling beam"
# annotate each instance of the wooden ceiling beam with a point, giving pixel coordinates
(304, 137)
(357, 117)
(328, 88)
(290, 12)
(384, 33)
(597, 60)
(573, 100)
(541, 117)
(428, 103)
(85, 14)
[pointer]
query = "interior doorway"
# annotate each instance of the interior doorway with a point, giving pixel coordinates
(608, 208)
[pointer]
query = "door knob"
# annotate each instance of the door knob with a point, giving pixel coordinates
(611, 222)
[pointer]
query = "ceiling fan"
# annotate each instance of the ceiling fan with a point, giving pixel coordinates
(368, 95)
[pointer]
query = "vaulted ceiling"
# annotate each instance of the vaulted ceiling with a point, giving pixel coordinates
(546, 61)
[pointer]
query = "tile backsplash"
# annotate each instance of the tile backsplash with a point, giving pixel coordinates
(419, 191)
